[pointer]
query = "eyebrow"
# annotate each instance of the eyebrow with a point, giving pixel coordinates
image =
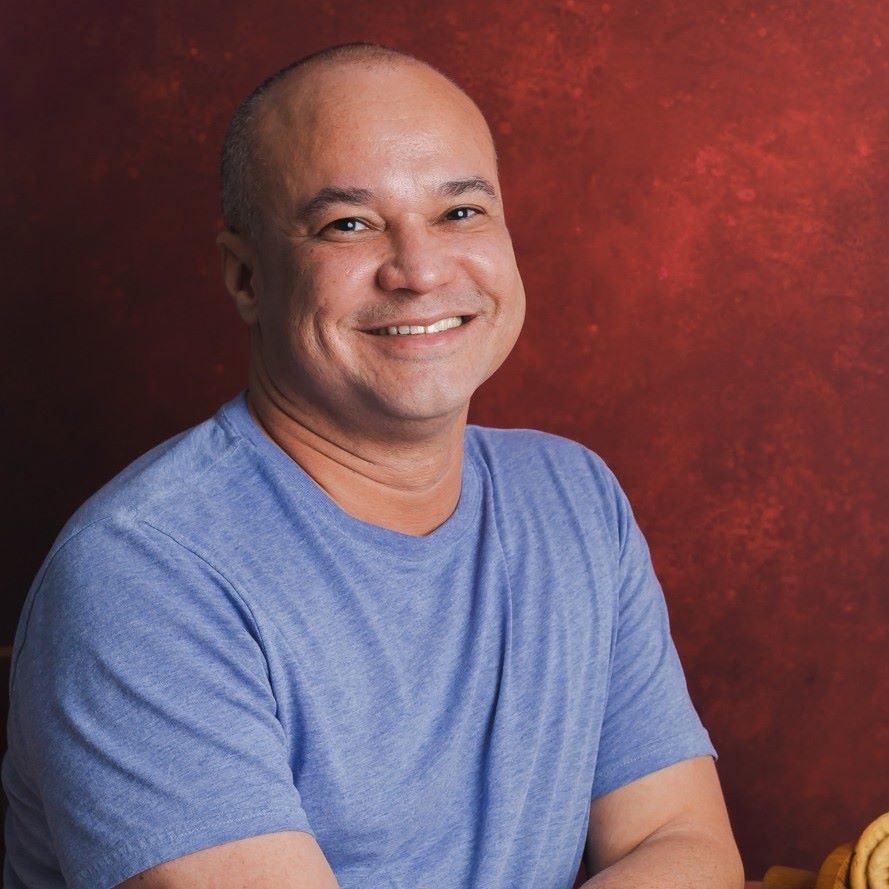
(354, 196)
(455, 187)
(329, 196)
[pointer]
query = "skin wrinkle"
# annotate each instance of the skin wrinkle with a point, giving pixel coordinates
(361, 196)
(327, 446)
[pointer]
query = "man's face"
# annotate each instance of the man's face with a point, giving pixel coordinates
(382, 212)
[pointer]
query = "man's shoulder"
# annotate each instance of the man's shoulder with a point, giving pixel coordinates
(136, 529)
(180, 470)
(522, 450)
(541, 464)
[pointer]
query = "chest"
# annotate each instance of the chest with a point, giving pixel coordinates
(420, 699)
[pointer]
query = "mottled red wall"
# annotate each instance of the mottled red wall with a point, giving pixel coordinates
(699, 199)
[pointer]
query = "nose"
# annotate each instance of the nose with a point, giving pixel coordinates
(418, 260)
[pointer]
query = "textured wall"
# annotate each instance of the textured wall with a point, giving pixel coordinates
(698, 193)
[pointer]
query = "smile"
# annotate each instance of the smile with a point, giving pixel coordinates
(413, 329)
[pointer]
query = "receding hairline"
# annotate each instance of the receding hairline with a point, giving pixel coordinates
(367, 54)
(240, 148)
(344, 54)
(284, 94)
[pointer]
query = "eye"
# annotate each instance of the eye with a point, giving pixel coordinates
(460, 213)
(348, 224)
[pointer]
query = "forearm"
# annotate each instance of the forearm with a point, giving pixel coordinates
(677, 859)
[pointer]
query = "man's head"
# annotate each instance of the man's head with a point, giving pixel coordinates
(360, 195)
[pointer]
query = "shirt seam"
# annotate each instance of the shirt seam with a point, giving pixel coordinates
(95, 867)
(133, 514)
(346, 534)
(231, 586)
(646, 750)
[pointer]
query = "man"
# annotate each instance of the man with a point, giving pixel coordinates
(334, 636)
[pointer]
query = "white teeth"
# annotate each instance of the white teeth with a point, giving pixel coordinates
(444, 324)
(406, 329)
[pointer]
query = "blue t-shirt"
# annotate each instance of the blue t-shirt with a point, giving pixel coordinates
(213, 650)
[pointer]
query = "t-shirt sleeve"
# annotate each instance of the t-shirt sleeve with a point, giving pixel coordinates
(650, 721)
(145, 709)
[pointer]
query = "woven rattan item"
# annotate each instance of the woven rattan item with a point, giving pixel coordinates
(864, 865)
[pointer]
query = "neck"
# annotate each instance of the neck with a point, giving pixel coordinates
(408, 485)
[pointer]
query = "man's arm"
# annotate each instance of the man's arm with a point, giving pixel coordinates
(667, 830)
(286, 860)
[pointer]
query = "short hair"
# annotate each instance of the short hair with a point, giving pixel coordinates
(240, 204)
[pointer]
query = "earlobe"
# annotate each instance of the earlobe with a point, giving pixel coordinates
(238, 273)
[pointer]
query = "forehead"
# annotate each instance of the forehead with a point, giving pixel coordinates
(374, 125)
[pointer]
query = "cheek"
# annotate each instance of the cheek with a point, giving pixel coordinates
(329, 288)
(336, 281)
(493, 268)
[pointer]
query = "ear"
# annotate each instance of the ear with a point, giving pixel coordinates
(239, 273)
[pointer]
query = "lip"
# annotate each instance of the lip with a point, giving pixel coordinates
(422, 322)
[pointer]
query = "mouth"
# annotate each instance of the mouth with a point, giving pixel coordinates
(418, 329)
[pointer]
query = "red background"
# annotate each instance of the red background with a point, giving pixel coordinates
(698, 195)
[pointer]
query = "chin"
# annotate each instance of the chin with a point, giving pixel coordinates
(417, 415)
(425, 410)
(419, 396)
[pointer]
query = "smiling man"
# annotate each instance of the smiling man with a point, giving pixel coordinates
(334, 635)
